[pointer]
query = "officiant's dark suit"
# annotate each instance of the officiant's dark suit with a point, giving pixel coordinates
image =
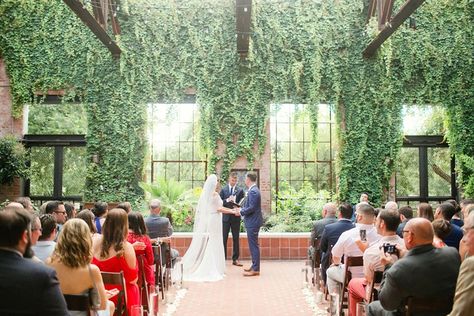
(231, 222)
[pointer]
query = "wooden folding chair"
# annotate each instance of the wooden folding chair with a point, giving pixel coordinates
(350, 262)
(142, 283)
(417, 305)
(316, 260)
(116, 278)
(79, 302)
(377, 279)
(159, 270)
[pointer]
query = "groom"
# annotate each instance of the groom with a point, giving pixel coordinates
(253, 220)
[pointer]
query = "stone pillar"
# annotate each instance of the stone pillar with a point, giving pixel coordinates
(8, 125)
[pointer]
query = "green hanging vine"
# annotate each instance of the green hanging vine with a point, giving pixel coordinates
(301, 51)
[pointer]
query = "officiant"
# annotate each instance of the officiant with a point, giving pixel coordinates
(231, 195)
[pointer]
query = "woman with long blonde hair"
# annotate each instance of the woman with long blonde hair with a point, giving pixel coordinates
(72, 261)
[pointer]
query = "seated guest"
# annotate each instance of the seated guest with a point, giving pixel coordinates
(113, 253)
(100, 212)
(126, 206)
(386, 224)
(27, 287)
(36, 232)
(158, 227)
(391, 205)
(347, 246)
(46, 243)
(465, 204)
(441, 228)
(56, 208)
(406, 213)
(137, 234)
(26, 202)
(463, 298)
(446, 211)
(422, 272)
(72, 261)
(331, 234)
(329, 217)
(456, 220)
(88, 217)
(425, 211)
(70, 210)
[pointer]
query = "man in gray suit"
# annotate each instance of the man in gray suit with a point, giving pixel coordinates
(423, 272)
(159, 227)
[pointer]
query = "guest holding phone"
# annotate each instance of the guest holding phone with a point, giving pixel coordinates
(347, 246)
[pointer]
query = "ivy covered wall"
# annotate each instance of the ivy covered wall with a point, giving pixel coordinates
(301, 51)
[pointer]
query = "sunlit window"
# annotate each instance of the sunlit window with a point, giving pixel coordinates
(174, 144)
(294, 158)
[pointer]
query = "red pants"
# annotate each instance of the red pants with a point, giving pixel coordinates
(356, 289)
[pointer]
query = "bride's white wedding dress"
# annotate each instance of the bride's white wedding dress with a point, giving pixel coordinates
(204, 260)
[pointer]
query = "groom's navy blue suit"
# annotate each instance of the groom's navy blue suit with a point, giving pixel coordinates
(253, 220)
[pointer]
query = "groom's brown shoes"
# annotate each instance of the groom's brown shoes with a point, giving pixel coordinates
(237, 263)
(251, 273)
(248, 269)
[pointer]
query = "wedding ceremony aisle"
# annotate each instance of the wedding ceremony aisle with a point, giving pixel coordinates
(277, 291)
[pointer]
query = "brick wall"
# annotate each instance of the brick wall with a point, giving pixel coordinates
(8, 125)
(276, 246)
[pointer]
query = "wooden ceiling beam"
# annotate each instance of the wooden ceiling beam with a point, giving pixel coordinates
(89, 20)
(406, 10)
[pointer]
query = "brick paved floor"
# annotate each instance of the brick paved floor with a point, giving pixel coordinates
(277, 291)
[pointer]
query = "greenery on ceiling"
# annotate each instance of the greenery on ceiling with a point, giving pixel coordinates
(301, 51)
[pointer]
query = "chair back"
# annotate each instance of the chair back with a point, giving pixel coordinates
(116, 278)
(316, 244)
(350, 262)
(80, 302)
(159, 269)
(377, 279)
(416, 305)
(141, 282)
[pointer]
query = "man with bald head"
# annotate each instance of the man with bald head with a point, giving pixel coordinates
(423, 272)
(329, 217)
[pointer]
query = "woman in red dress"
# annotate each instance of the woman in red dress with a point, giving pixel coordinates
(113, 253)
(141, 243)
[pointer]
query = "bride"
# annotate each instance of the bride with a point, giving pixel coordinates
(204, 260)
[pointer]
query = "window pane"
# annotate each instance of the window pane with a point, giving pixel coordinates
(408, 175)
(61, 118)
(283, 151)
(297, 151)
(323, 152)
(296, 172)
(172, 170)
(186, 171)
(42, 171)
(172, 151)
(439, 172)
(283, 132)
(74, 170)
(310, 172)
(186, 151)
(323, 132)
(283, 171)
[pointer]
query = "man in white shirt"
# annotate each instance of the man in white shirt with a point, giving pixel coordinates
(46, 244)
(350, 244)
(386, 225)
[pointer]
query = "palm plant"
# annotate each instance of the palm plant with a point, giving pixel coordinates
(177, 203)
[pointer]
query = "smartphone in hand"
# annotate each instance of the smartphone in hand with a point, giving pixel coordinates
(363, 235)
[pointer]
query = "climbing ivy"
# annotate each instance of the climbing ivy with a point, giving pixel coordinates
(300, 51)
